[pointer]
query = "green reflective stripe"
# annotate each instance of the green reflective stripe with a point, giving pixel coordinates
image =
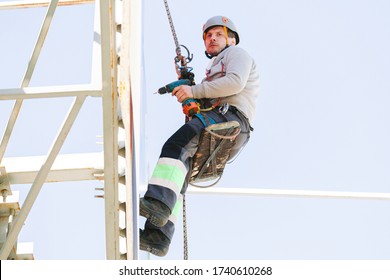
(170, 173)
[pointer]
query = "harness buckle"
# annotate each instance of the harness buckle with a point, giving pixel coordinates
(224, 108)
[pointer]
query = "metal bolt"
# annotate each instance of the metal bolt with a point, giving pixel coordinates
(99, 195)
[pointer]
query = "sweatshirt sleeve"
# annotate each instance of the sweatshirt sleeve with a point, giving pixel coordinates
(237, 64)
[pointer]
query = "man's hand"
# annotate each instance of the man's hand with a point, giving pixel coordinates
(182, 93)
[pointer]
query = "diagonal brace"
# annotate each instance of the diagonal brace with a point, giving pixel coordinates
(27, 76)
(40, 179)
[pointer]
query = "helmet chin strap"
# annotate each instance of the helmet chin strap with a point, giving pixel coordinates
(227, 35)
(209, 56)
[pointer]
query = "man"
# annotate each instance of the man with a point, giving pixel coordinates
(231, 82)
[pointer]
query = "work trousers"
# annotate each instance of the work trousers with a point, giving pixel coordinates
(168, 181)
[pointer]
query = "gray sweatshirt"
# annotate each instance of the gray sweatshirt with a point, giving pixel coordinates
(232, 76)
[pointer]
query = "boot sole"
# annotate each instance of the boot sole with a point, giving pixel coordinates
(154, 219)
(154, 251)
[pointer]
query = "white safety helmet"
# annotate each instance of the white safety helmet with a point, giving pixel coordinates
(221, 21)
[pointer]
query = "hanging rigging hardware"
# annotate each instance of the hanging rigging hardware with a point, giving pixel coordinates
(186, 77)
(184, 60)
(190, 106)
(183, 71)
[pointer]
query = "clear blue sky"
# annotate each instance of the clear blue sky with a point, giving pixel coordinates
(322, 124)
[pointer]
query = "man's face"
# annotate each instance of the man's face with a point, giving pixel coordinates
(215, 40)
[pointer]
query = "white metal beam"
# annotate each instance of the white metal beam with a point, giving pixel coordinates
(39, 3)
(28, 74)
(66, 167)
(39, 43)
(69, 167)
(50, 92)
(129, 89)
(110, 126)
(126, 112)
(289, 193)
(284, 193)
(9, 207)
(40, 178)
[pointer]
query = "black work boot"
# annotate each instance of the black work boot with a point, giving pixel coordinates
(155, 211)
(154, 241)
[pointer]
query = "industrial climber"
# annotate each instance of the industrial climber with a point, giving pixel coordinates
(231, 87)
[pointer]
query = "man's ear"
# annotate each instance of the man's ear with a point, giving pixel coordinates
(232, 41)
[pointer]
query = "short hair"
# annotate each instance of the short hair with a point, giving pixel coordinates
(231, 34)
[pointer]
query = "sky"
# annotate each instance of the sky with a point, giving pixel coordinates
(321, 124)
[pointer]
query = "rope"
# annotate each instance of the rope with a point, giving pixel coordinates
(182, 59)
(178, 49)
(228, 137)
(185, 239)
